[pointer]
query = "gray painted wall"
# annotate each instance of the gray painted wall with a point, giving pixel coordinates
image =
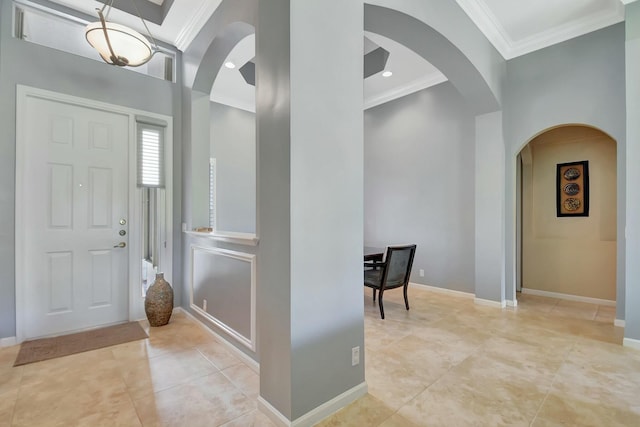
(579, 81)
(233, 145)
(419, 183)
(32, 65)
(632, 326)
(310, 216)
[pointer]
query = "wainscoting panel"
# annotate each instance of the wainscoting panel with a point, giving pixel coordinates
(223, 290)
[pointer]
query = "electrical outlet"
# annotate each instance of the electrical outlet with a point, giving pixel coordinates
(204, 304)
(421, 273)
(355, 356)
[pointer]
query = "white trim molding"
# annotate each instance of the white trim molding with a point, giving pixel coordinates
(619, 322)
(512, 303)
(404, 90)
(249, 341)
(569, 297)
(484, 18)
(451, 292)
(255, 366)
(490, 303)
(315, 415)
(199, 18)
(247, 239)
(631, 343)
(8, 342)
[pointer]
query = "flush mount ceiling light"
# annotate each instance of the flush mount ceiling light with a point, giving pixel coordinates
(230, 64)
(387, 74)
(117, 44)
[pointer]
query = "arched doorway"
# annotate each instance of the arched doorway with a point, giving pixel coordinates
(570, 257)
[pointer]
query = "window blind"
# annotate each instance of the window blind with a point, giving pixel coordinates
(150, 155)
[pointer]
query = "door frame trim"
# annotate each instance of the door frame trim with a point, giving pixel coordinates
(135, 300)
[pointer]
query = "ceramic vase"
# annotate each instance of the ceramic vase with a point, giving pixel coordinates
(158, 303)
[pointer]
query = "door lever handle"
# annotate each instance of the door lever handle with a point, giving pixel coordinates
(120, 245)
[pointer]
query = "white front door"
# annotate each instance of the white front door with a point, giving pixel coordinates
(75, 208)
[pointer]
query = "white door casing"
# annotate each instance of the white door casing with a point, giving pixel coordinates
(75, 181)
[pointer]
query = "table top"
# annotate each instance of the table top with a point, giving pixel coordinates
(371, 253)
(372, 250)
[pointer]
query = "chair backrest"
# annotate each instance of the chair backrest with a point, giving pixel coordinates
(399, 260)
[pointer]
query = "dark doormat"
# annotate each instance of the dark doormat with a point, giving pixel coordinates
(50, 348)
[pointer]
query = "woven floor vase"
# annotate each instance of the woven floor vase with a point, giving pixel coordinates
(158, 303)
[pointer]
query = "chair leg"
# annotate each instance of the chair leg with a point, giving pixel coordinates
(374, 295)
(380, 304)
(406, 299)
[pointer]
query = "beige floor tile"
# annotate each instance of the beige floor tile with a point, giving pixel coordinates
(252, 419)
(445, 362)
(574, 410)
(8, 356)
(540, 304)
(397, 420)
(209, 401)
(244, 378)
(606, 314)
(7, 403)
(73, 397)
(218, 354)
(159, 373)
(10, 379)
(575, 309)
(452, 402)
(366, 411)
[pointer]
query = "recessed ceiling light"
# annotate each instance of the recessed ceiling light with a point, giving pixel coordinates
(230, 64)
(387, 74)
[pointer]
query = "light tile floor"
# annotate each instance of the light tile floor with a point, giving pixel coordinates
(450, 362)
(446, 362)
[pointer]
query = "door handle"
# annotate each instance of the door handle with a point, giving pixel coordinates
(120, 245)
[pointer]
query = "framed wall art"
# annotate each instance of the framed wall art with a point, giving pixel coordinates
(572, 189)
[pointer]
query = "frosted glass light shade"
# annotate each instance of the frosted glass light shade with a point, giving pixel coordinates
(130, 47)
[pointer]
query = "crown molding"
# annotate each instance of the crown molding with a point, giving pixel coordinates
(490, 26)
(404, 90)
(195, 24)
(568, 31)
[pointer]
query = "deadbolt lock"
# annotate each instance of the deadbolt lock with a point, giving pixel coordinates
(122, 232)
(123, 221)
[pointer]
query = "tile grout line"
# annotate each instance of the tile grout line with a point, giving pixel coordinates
(553, 381)
(15, 403)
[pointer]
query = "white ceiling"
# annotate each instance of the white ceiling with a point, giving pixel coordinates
(514, 27)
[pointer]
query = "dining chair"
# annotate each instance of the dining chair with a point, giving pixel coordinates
(390, 273)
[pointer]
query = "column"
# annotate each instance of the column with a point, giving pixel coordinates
(309, 115)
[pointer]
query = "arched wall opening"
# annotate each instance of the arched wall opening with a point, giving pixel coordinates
(562, 251)
(235, 19)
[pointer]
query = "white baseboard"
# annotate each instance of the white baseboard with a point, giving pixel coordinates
(569, 297)
(443, 290)
(631, 343)
(8, 342)
(272, 413)
(315, 415)
(619, 322)
(512, 303)
(255, 366)
(490, 303)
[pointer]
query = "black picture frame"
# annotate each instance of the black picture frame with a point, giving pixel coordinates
(572, 189)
